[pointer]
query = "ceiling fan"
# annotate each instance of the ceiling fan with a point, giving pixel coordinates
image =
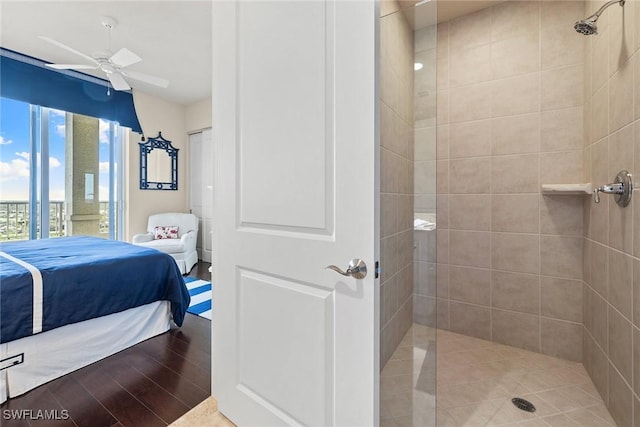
(112, 64)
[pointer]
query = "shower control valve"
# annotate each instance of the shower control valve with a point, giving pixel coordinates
(622, 189)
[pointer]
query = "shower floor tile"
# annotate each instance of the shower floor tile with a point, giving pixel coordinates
(475, 382)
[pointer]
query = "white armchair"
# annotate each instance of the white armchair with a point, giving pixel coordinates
(182, 248)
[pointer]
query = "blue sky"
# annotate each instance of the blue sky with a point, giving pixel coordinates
(14, 153)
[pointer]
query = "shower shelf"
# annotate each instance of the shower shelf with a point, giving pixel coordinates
(567, 189)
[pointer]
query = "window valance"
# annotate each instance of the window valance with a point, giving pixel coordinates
(26, 79)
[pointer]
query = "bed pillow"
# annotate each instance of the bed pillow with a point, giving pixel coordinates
(165, 232)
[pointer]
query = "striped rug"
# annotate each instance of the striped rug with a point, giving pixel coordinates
(200, 291)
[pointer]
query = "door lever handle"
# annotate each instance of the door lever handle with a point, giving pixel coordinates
(357, 269)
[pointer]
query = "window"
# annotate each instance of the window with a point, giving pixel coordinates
(59, 173)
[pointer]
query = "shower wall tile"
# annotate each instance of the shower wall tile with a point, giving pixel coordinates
(600, 113)
(620, 399)
(620, 344)
(515, 329)
(620, 36)
(620, 282)
(471, 285)
(517, 213)
(515, 252)
(561, 298)
(470, 319)
(516, 134)
(561, 88)
(529, 247)
(469, 212)
(561, 339)
(515, 95)
(470, 139)
(515, 56)
(620, 97)
(516, 292)
(515, 174)
(561, 215)
(599, 55)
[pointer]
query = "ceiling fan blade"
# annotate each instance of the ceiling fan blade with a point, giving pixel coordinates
(146, 78)
(70, 49)
(124, 57)
(118, 82)
(71, 66)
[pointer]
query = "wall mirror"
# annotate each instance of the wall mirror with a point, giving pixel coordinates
(158, 164)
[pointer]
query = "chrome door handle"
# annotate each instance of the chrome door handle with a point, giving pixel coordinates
(357, 269)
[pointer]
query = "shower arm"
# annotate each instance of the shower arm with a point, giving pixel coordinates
(602, 9)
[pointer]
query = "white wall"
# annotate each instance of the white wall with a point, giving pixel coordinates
(155, 115)
(198, 115)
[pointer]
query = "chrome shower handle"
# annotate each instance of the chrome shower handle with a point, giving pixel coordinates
(615, 188)
(621, 188)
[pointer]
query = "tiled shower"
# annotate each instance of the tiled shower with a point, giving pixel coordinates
(509, 98)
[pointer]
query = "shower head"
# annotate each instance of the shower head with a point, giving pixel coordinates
(588, 25)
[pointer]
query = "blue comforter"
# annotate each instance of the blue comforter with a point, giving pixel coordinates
(83, 278)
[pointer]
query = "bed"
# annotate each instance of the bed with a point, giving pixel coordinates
(71, 301)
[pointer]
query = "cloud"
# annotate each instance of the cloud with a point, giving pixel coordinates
(104, 131)
(61, 130)
(5, 141)
(19, 167)
(58, 113)
(104, 167)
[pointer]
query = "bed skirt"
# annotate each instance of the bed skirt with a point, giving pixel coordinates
(57, 352)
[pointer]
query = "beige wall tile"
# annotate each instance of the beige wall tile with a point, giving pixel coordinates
(600, 113)
(424, 310)
(470, 139)
(515, 95)
(442, 246)
(516, 292)
(561, 215)
(424, 143)
(515, 252)
(442, 142)
(600, 163)
(560, 45)
(442, 176)
(425, 177)
(620, 282)
(599, 221)
(621, 37)
(516, 134)
(636, 296)
(517, 213)
(470, 248)
(468, 65)
(442, 211)
(471, 102)
(555, 13)
(621, 227)
(620, 399)
(621, 147)
(518, 330)
(470, 212)
(514, 18)
(600, 51)
(515, 174)
(599, 268)
(561, 298)
(516, 55)
(620, 344)
(586, 260)
(621, 97)
(561, 256)
(561, 130)
(425, 79)
(471, 285)
(442, 280)
(470, 176)
(470, 319)
(636, 79)
(561, 168)
(431, 108)
(636, 360)
(470, 30)
(388, 214)
(561, 339)
(600, 370)
(561, 88)
(442, 314)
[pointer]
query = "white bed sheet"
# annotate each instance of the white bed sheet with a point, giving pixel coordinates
(55, 353)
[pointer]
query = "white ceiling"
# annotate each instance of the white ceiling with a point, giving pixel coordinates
(172, 37)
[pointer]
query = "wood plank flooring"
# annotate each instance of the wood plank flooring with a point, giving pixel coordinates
(150, 384)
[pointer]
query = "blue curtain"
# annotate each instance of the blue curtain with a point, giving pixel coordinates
(26, 79)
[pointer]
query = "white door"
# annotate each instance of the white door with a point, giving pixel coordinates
(294, 107)
(201, 188)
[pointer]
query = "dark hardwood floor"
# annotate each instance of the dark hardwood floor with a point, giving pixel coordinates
(150, 384)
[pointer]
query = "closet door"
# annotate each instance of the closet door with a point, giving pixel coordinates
(201, 189)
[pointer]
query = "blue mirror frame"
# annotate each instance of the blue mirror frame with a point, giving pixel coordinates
(158, 143)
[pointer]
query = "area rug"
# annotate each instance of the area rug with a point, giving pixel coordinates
(200, 292)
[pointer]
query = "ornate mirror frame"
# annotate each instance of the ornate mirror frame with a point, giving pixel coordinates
(158, 143)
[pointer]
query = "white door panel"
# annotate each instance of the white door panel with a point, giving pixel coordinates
(294, 110)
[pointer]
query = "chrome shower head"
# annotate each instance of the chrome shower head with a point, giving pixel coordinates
(588, 26)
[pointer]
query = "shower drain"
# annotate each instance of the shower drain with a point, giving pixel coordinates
(523, 404)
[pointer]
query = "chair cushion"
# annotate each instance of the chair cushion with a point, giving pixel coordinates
(165, 232)
(169, 246)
